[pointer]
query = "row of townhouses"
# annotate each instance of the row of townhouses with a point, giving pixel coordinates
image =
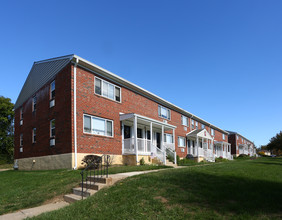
(69, 107)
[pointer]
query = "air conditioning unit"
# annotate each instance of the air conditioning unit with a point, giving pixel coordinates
(21, 149)
(185, 128)
(52, 142)
(21, 122)
(182, 150)
(52, 103)
(165, 121)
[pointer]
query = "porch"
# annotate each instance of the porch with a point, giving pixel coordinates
(143, 136)
(222, 149)
(200, 144)
(243, 149)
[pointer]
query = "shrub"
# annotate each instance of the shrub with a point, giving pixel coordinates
(170, 157)
(185, 162)
(189, 156)
(177, 159)
(142, 161)
(221, 159)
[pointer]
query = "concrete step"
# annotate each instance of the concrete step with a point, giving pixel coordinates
(107, 181)
(71, 198)
(91, 185)
(86, 192)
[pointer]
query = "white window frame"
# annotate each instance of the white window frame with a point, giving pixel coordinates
(91, 123)
(21, 113)
(52, 128)
(192, 124)
(237, 137)
(165, 138)
(21, 139)
(51, 90)
(179, 137)
(223, 136)
(203, 126)
(33, 135)
(212, 132)
(183, 118)
(114, 99)
(34, 103)
(166, 109)
(196, 124)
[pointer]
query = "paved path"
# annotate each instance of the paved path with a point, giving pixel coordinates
(22, 214)
(4, 170)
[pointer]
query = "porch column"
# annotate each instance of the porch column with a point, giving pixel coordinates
(221, 149)
(135, 137)
(162, 142)
(197, 146)
(151, 135)
(122, 134)
(173, 133)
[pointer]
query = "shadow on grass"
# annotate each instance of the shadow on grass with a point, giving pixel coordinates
(225, 194)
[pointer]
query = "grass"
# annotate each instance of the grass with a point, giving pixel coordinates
(246, 189)
(25, 189)
(6, 166)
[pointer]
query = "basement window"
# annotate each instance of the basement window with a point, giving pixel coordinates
(107, 89)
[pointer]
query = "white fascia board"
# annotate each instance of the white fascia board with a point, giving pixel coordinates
(142, 91)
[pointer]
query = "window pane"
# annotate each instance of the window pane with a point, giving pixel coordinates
(168, 138)
(127, 132)
(105, 89)
(117, 94)
(98, 126)
(87, 124)
(109, 128)
(98, 86)
(148, 135)
(139, 133)
(163, 112)
(111, 91)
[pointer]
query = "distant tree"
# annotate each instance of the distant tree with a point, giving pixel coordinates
(6, 128)
(275, 142)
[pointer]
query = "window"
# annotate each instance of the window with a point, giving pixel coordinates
(181, 142)
(223, 136)
(192, 123)
(21, 140)
(52, 90)
(148, 135)
(34, 100)
(168, 138)
(21, 113)
(196, 125)
(99, 126)
(237, 137)
(203, 126)
(212, 131)
(184, 120)
(34, 135)
(164, 112)
(139, 133)
(52, 128)
(107, 89)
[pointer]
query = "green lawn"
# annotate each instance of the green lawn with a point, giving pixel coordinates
(24, 189)
(246, 189)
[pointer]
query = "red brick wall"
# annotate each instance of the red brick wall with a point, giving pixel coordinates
(41, 120)
(92, 104)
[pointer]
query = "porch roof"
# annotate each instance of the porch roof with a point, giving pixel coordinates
(203, 133)
(130, 116)
(221, 142)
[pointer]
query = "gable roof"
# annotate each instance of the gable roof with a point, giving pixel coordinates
(200, 133)
(40, 73)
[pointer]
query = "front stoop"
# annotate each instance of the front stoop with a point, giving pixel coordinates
(89, 189)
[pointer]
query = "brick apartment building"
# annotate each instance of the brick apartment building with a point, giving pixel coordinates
(240, 144)
(70, 107)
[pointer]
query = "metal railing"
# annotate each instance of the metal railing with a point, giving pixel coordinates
(172, 154)
(95, 170)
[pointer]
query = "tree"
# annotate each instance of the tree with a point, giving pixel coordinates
(6, 128)
(275, 142)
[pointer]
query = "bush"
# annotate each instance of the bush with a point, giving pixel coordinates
(170, 157)
(142, 161)
(220, 159)
(177, 159)
(189, 156)
(186, 162)
(244, 156)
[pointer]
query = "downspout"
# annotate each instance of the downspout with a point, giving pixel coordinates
(74, 114)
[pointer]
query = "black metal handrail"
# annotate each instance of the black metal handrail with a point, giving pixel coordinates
(98, 168)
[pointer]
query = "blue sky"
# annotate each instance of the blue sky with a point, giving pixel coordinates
(220, 60)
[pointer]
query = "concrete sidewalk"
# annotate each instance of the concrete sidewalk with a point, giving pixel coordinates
(22, 214)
